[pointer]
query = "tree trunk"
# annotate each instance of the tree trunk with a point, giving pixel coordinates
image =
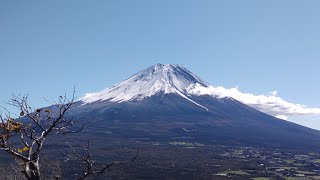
(33, 170)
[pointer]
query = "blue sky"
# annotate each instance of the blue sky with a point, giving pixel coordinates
(47, 47)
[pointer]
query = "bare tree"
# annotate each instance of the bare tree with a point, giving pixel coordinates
(50, 170)
(24, 137)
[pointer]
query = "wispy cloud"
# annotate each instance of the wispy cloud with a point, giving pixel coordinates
(271, 104)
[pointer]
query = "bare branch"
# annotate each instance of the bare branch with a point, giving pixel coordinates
(89, 163)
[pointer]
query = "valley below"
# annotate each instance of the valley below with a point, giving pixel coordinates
(179, 159)
(192, 160)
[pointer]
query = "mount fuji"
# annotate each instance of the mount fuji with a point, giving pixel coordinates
(162, 103)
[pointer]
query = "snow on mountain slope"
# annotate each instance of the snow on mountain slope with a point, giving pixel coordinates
(164, 78)
(175, 79)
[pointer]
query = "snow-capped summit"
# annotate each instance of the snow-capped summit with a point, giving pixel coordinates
(160, 78)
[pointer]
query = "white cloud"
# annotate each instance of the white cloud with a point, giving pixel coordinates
(270, 104)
